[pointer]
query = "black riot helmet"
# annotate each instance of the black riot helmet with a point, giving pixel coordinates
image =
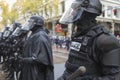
(32, 22)
(14, 26)
(5, 28)
(0, 35)
(77, 7)
(16, 32)
(6, 32)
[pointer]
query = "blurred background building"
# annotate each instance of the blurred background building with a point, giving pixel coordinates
(110, 18)
(52, 10)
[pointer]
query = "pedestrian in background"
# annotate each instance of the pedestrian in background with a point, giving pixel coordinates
(68, 43)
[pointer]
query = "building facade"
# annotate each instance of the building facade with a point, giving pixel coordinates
(52, 12)
(110, 16)
(52, 20)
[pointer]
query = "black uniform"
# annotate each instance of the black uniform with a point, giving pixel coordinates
(92, 46)
(38, 54)
(99, 56)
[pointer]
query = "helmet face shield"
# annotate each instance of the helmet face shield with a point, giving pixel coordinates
(28, 25)
(11, 28)
(6, 33)
(4, 29)
(16, 31)
(14, 26)
(73, 13)
(0, 34)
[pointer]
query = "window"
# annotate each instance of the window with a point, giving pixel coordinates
(103, 11)
(109, 11)
(61, 8)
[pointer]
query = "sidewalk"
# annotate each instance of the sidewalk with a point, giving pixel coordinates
(60, 55)
(58, 59)
(60, 50)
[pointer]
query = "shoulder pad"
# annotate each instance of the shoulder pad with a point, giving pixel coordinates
(107, 42)
(112, 58)
(97, 30)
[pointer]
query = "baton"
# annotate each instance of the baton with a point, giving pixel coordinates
(80, 71)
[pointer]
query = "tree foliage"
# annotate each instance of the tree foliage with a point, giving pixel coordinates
(5, 12)
(26, 8)
(13, 15)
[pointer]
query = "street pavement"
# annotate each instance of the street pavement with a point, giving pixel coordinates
(60, 56)
(58, 70)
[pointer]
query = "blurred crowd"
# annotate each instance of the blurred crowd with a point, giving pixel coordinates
(61, 42)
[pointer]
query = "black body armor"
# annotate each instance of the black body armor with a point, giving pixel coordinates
(82, 52)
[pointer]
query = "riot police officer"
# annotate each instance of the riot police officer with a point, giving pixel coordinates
(37, 56)
(92, 46)
(9, 48)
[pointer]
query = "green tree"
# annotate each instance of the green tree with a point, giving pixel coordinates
(13, 15)
(32, 7)
(26, 8)
(5, 11)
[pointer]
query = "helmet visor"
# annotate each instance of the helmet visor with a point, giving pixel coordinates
(0, 34)
(16, 32)
(72, 14)
(28, 25)
(12, 28)
(6, 33)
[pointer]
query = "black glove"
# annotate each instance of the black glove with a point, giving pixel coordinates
(25, 60)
